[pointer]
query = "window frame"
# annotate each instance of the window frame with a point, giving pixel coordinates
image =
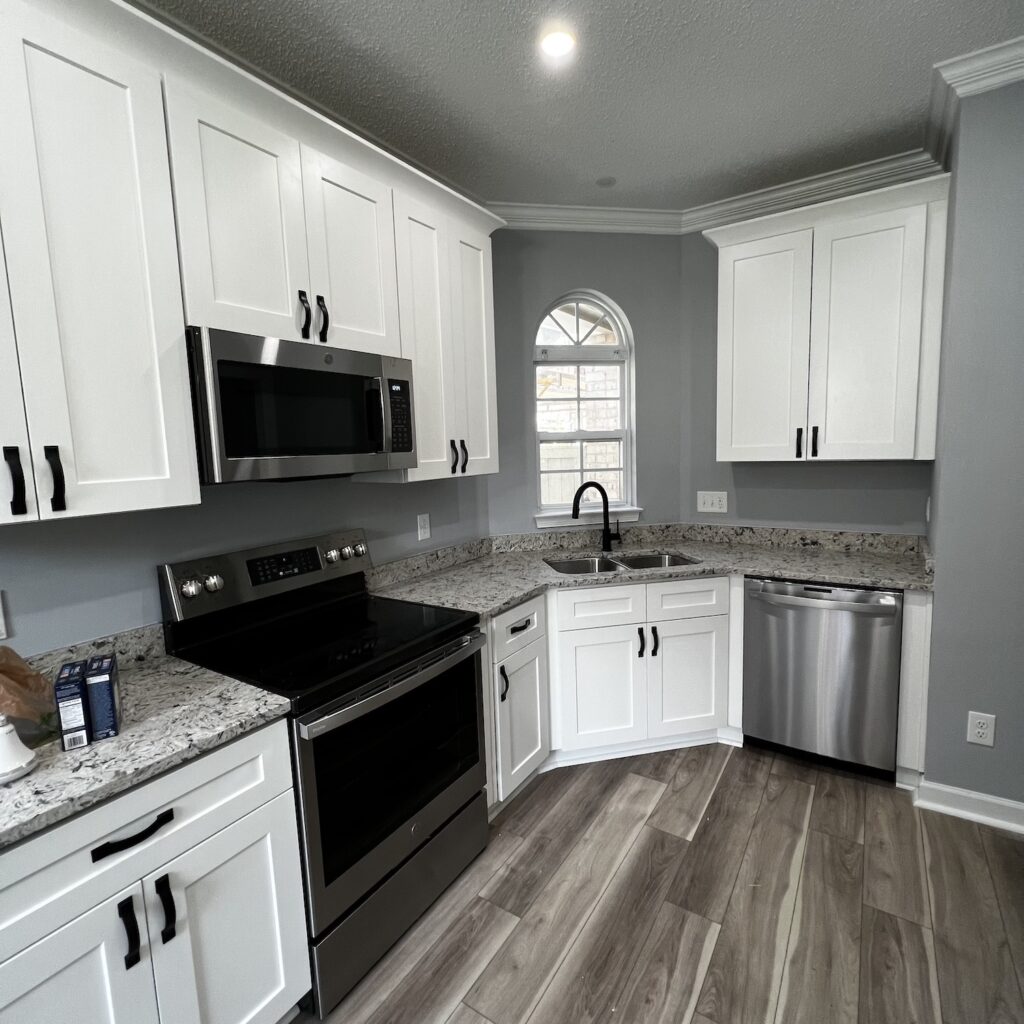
(570, 354)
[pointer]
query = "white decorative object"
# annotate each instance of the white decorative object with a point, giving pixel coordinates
(16, 759)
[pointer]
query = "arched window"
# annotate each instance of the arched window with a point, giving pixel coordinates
(584, 381)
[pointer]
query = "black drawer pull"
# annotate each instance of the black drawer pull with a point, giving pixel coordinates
(117, 845)
(307, 316)
(52, 454)
(163, 890)
(799, 442)
(455, 456)
(654, 633)
(504, 676)
(643, 641)
(126, 911)
(520, 626)
(814, 442)
(325, 320)
(12, 456)
(465, 455)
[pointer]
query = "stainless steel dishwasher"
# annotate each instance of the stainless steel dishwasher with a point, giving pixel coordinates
(821, 669)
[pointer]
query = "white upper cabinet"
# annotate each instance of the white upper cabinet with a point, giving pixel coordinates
(828, 329)
(88, 230)
(866, 335)
(764, 299)
(351, 236)
(241, 226)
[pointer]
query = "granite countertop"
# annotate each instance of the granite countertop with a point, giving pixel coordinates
(501, 580)
(172, 711)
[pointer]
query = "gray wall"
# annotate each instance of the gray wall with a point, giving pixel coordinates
(667, 287)
(68, 581)
(978, 531)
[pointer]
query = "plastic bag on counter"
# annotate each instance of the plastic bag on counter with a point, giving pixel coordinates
(26, 698)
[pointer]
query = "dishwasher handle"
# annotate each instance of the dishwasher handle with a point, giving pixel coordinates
(791, 601)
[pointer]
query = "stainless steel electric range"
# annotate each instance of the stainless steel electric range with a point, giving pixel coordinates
(386, 727)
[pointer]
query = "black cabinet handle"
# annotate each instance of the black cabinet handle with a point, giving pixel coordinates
(814, 442)
(52, 454)
(455, 456)
(117, 845)
(307, 316)
(654, 633)
(163, 890)
(126, 911)
(799, 442)
(520, 626)
(643, 642)
(12, 456)
(504, 676)
(325, 320)
(465, 455)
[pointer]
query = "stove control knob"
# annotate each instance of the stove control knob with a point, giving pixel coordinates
(191, 588)
(360, 549)
(346, 552)
(214, 583)
(332, 555)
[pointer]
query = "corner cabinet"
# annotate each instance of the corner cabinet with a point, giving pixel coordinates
(95, 413)
(829, 323)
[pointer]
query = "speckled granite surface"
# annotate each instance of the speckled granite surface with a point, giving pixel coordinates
(503, 579)
(172, 712)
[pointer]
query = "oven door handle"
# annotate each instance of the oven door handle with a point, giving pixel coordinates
(391, 688)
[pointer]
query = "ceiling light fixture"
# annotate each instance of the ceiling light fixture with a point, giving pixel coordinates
(558, 44)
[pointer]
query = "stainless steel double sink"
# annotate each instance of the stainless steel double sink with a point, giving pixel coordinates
(583, 566)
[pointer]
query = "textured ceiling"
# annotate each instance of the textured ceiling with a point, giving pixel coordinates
(681, 102)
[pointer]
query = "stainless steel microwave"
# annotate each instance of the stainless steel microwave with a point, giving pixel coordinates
(269, 409)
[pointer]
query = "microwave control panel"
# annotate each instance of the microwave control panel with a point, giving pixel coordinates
(401, 415)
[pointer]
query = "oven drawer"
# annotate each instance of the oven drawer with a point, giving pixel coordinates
(51, 879)
(513, 630)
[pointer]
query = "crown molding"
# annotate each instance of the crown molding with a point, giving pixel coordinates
(818, 188)
(981, 71)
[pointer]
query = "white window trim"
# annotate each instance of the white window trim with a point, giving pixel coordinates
(627, 511)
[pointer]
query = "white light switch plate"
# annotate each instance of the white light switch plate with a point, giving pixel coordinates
(712, 501)
(981, 728)
(423, 526)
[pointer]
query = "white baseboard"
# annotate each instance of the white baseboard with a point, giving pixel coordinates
(908, 778)
(965, 803)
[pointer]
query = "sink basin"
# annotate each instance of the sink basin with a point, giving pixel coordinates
(654, 561)
(579, 566)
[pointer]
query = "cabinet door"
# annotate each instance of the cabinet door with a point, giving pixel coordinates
(764, 305)
(602, 680)
(16, 479)
(866, 335)
(424, 290)
(350, 231)
(524, 715)
(473, 347)
(238, 949)
(241, 228)
(92, 265)
(79, 974)
(688, 675)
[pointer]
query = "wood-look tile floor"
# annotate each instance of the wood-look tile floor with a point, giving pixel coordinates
(715, 885)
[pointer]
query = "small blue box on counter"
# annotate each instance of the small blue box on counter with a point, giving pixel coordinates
(104, 696)
(72, 700)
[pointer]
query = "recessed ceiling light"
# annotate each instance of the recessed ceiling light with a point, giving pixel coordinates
(558, 44)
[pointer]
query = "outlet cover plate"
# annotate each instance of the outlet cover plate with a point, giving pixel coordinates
(423, 526)
(981, 728)
(713, 501)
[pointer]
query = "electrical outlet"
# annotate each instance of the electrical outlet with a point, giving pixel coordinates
(712, 501)
(981, 729)
(423, 526)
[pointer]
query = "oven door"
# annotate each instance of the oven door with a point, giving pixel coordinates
(377, 777)
(268, 409)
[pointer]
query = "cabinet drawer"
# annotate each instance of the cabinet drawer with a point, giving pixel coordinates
(687, 599)
(51, 879)
(511, 631)
(602, 606)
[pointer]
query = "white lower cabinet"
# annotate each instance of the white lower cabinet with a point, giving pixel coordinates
(523, 716)
(227, 930)
(82, 972)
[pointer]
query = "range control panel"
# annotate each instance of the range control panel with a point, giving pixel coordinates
(213, 582)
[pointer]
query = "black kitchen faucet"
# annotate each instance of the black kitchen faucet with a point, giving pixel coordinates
(606, 530)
